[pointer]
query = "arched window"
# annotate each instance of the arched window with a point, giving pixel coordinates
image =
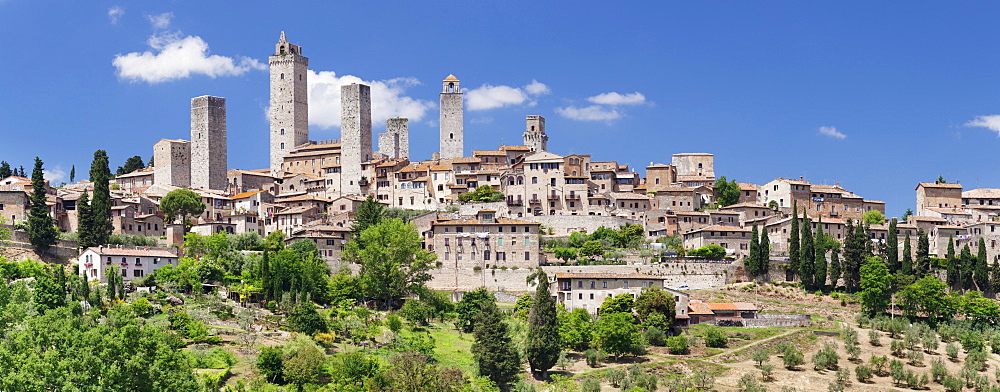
(282, 131)
(451, 135)
(282, 76)
(451, 87)
(282, 146)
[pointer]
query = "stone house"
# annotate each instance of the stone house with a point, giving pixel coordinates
(242, 181)
(136, 181)
(589, 290)
(937, 194)
(736, 240)
(132, 262)
(485, 241)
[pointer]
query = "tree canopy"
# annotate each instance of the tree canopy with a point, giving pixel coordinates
(482, 194)
(393, 263)
(181, 203)
(726, 192)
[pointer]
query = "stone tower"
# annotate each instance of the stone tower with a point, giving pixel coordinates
(289, 112)
(395, 142)
(534, 133)
(452, 121)
(173, 163)
(209, 159)
(355, 134)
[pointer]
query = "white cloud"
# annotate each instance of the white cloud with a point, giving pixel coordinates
(115, 13)
(589, 113)
(614, 98)
(388, 99)
(832, 132)
(54, 175)
(173, 57)
(991, 122)
(489, 96)
(160, 21)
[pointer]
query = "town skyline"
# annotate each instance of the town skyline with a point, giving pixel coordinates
(124, 92)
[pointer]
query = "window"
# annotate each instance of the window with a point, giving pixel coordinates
(593, 284)
(625, 284)
(527, 256)
(591, 295)
(604, 285)
(580, 296)
(579, 284)
(137, 273)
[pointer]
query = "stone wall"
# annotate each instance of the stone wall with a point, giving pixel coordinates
(209, 157)
(172, 163)
(563, 225)
(289, 112)
(19, 248)
(356, 134)
(452, 121)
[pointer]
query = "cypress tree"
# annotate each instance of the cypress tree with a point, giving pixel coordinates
(995, 277)
(72, 174)
(750, 261)
(84, 225)
(907, 265)
(807, 255)
(966, 266)
(22, 172)
(5, 170)
(819, 277)
(543, 329)
(764, 254)
(835, 267)
(954, 275)
(42, 231)
(493, 350)
(852, 255)
(922, 262)
(793, 242)
(982, 271)
(892, 247)
(100, 205)
(265, 276)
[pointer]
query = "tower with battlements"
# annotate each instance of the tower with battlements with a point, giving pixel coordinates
(289, 112)
(452, 120)
(395, 142)
(534, 133)
(173, 163)
(209, 158)
(355, 134)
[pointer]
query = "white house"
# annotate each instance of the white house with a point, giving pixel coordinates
(133, 262)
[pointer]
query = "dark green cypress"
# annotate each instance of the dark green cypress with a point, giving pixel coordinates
(492, 349)
(793, 242)
(981, 274)
(892, 247)
(819, 276)
(265, 276)
(42, 231)
(84, 224)
(5, 170)
(835, 267)
(72, 174)
(543, 329)
(100, 205)
(953, 275)
(907, 265)
(966, 266)
(807, 255)
(750, 261)
(922, 262)
(764, 255)
(995, 277)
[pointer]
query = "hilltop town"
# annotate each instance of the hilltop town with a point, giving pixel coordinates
(492, 226)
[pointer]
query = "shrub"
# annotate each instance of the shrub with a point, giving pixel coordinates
(748, 383)
(792, 358)
(862, 320)
(952, 350)
(615, 376)
(898, 348)
(972, 341)
(715, 337)
(589, 385)
(878, 364)
(930, 343)
(270, 363)
(915, 358)
(953, 384)
(761, 356)
(826, 358)
(874, 338)
(976, 360)
(767, 372)
(864, 373)
(938, 370)
(677, 345)
(593, 357)
(655, 336)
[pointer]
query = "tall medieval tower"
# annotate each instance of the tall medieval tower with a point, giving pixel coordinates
(452, 121)
(289, 101)
(355, 134)
(209, 158)
(534, 133)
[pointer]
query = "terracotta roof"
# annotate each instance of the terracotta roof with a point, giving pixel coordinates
(451, 78)
(305, 197)
(927, 218)
(473, 221)
(745, 205)
(515, 148)
(245, 195)
(293, 210)
(629, 196)
(874, 201)
(952, 211)
(488, 152)
(138, 173)
(746, 186)
(982, 193)
(466, 160)
(951, 227)
(581, 275)
(440, 168)
(939, 185)
(721, 228)
(657, 165)
(699, 308)
(134, 251)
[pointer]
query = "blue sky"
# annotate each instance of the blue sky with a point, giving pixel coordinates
(874, 95)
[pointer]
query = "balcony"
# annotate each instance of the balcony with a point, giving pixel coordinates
(534, 201)
(514, 202)
(572, 196)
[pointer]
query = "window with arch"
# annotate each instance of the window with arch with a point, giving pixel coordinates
(451, 135)
(282, 146)
(282, 76)
(282, 131)
(451, 87)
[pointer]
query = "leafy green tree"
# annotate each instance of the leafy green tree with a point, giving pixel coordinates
(411, 371)
(543, 344)
(523, 306)
(793, 242)
(876, 287)
(873, 217)
(656, 301)
(493, 350)
(42, 231)
(304, 318)
(906, 266)
(469, 307)
(482, 194)
(575, 329)
(715, 337)
(270, 363)
(370, 213)
(974, 307)
(565, 254)
(393, 263)
(892, 246)
(726, 192)
(416, 311)
(617, 334)
(182, 203)
(132, 164)
(303, 365)
(807, 255)
(100, 202)
(621, 303)
(48, 293)
(592, 248)
(710, 251)
(981, 273)
(927, 296)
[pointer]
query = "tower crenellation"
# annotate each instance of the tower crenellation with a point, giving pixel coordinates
(395, 142)
(209, 157)
(289, 111)
(452, 120)
(534, 133)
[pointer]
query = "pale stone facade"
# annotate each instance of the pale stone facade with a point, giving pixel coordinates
(355, 134)
(534, 133)
(289, 112)
(132, 262)
(209, 157)
(937, 194)
(395, 142)
(589, 290)
(452, 120)
(173, 163)
(694, 169)
(485, 242)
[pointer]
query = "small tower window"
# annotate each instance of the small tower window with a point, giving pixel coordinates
(451, 87)
(282, 131)
(282, 76)
(282, 146)
(451, 135)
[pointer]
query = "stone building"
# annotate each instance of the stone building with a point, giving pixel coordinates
(289, 112)
(452, 119)
(355, 134)
(534, 133)
(937, 194)
(694, 169)
(209, 157)
(136, 181)
(132, 262)
(173, 163)
(736, 240)
(485, 242)
(395, 142)
(589, 290)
